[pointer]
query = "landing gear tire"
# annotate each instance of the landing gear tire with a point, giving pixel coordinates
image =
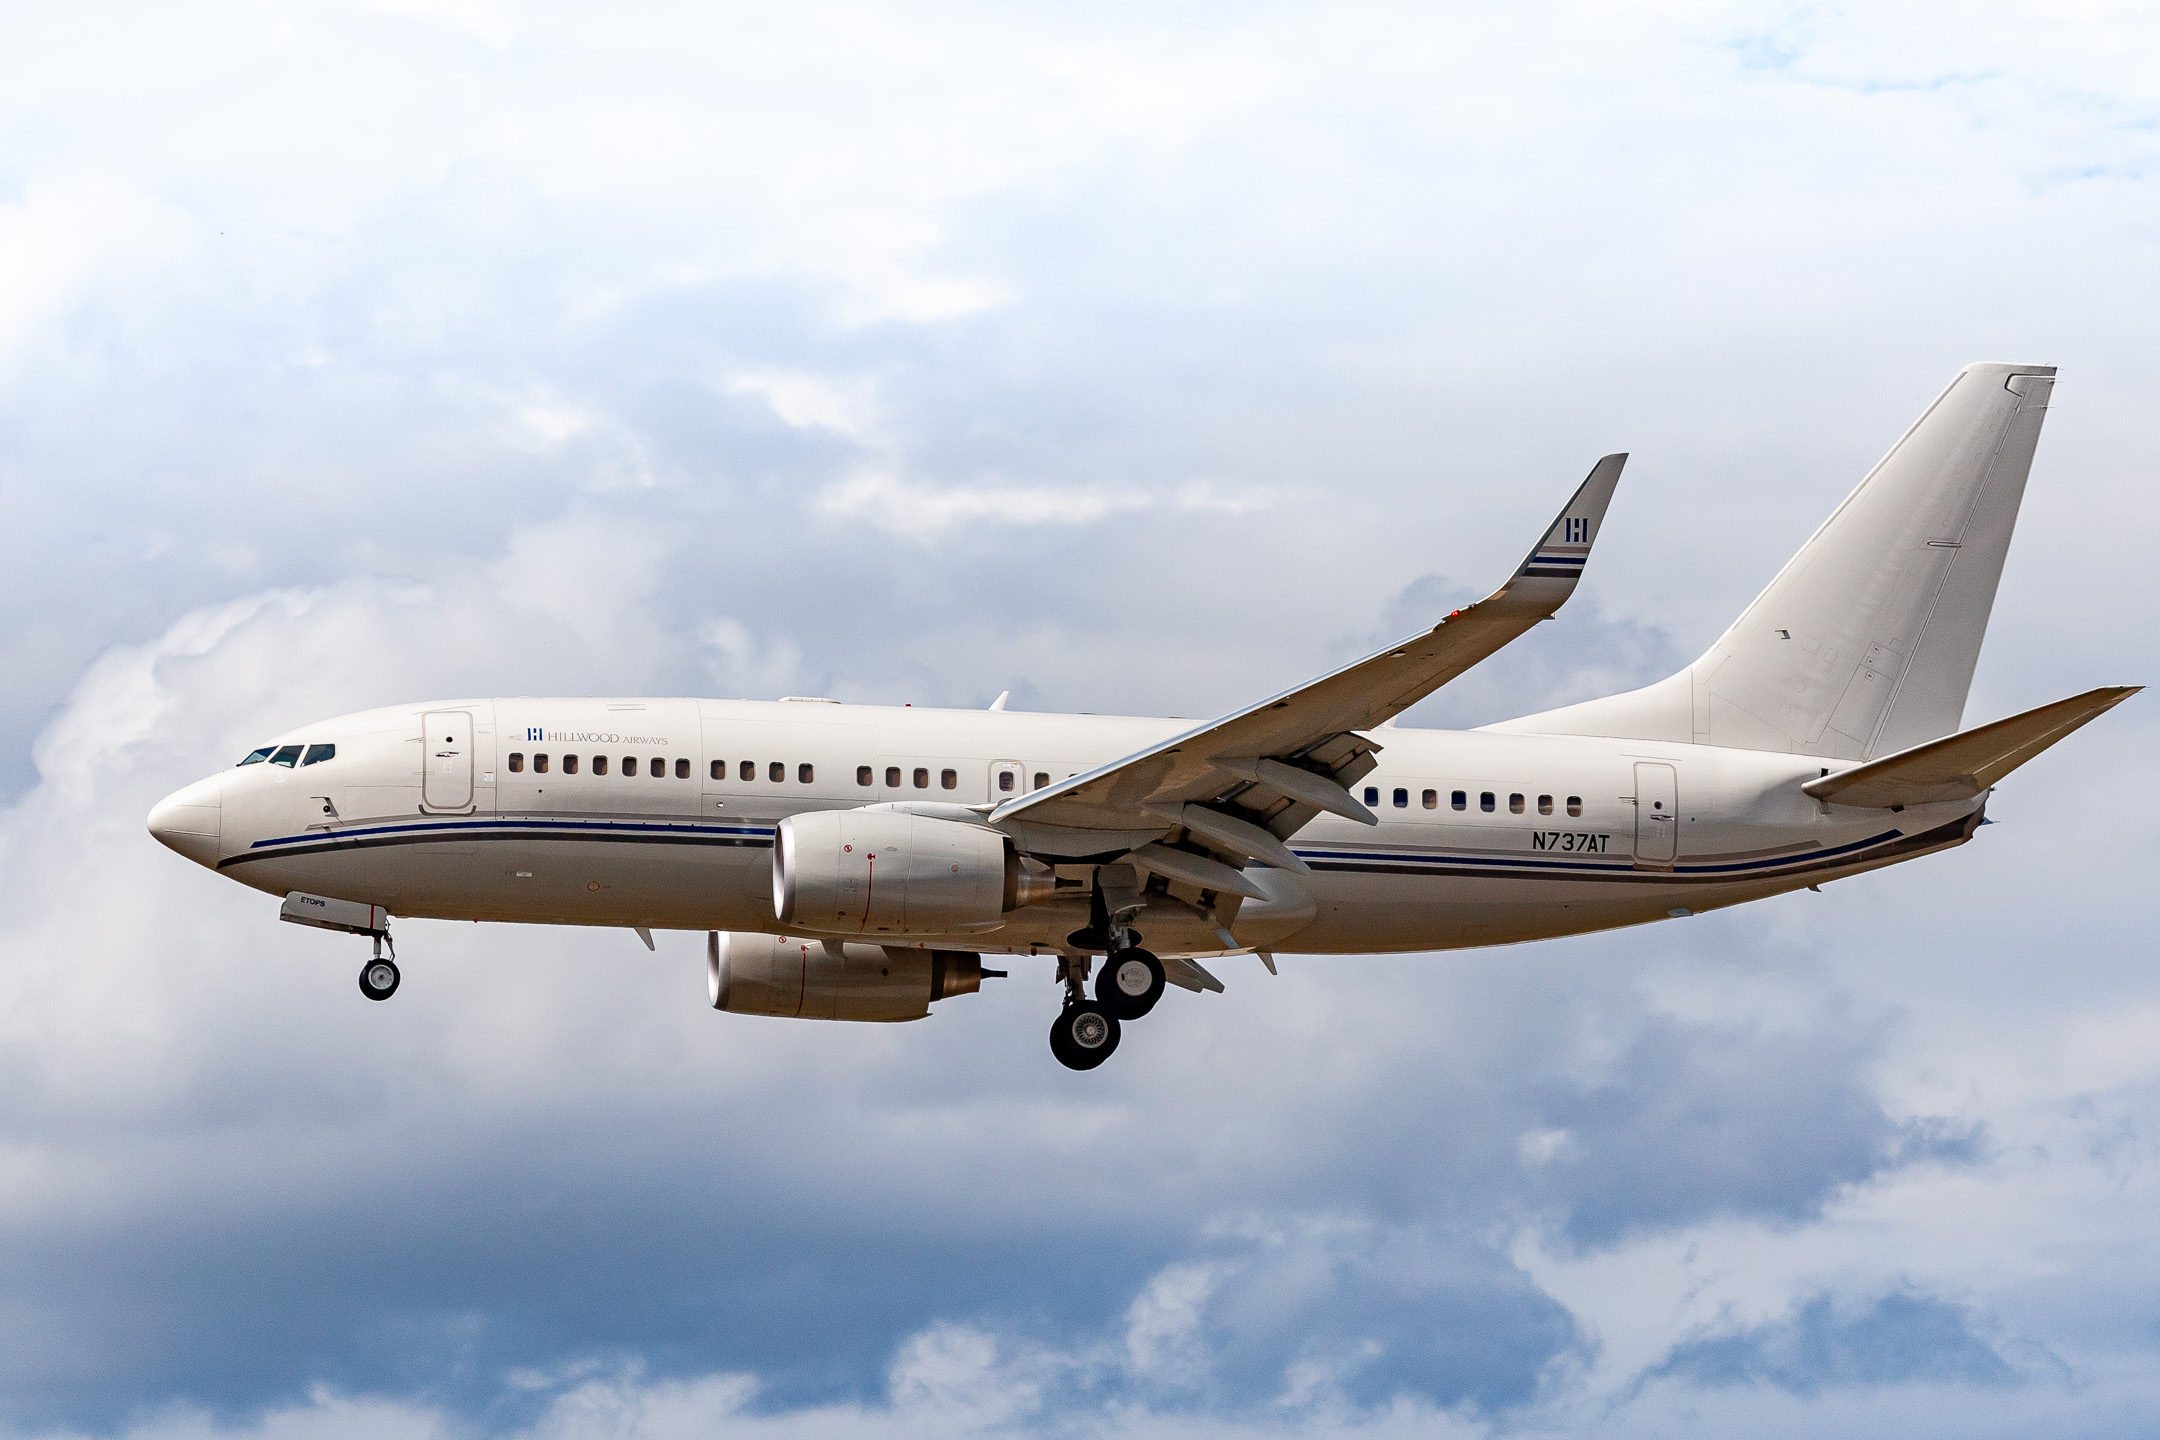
(379, 979)
(1129, 984)
(1083, 1036)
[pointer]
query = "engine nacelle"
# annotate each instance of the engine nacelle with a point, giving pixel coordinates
(892, 872)
(812, 979)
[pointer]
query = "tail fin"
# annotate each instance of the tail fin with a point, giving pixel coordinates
(1865, 642)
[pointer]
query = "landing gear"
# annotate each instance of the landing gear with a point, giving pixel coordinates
(1084, 1035)
(379, 979)
(1129, 984)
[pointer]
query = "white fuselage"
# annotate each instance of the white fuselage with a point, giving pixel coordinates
(497, 810)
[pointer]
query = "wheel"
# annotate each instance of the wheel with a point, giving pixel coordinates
(379, 979)
(1083, 1036)
(1129, 984)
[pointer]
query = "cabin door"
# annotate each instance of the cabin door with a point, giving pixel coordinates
(1657, 815)
(446, 743)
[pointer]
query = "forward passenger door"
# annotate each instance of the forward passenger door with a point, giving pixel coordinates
(446, 748)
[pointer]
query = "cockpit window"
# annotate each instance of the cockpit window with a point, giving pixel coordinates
(288, 756)
(316, 754)
(256, 757)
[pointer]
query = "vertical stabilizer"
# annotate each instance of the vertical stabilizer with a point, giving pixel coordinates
(1865, 642)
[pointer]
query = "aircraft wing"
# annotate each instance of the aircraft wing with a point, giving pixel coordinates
(1960, 766)
(1240, 784)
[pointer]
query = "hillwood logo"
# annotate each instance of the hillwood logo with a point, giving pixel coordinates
(538, 734)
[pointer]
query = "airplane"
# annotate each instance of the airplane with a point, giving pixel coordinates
(858, 862)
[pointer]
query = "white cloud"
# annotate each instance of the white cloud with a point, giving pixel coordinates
(811, 402)
(61, 244)
(920, 510)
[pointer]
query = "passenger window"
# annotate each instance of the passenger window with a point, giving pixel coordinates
(682, 768)
(1402, 798)
(1544, 804)
(805, 774)
(719, 770)
(517, 762)
(657, 767)
(599, 764)
(892, 777)
(922, 778)
(948, 779)
(1432, 799)
(287, 755)
(1485, 802)
(777, 771)
(629, 764)
(1459, 800)
(1372, 794)
(1005, 782)
(316, 754)
(569, 764)
(863, 774)
(540, 764)
(747, 770)
(1042, 779)
(1574, 804)
(1515, 804)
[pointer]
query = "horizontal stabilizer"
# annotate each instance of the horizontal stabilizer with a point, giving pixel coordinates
(1958, 767)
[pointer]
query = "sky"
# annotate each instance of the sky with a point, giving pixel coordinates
(1139, 359)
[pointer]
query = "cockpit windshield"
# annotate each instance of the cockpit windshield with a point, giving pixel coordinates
(290, 755)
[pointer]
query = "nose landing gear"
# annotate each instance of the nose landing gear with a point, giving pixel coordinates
(379, 977)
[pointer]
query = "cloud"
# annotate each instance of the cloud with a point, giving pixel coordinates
(1131, 362)
(810, 402)
(1892, 1339)
(920, 511)
(81, 241)
(1691, 1122)
(1584, 653)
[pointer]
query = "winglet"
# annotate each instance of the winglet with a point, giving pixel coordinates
(1548, 574)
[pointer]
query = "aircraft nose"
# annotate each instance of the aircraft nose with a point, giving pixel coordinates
(187, 820)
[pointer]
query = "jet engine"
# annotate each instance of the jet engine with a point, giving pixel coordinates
(894, 872)
(833, 979)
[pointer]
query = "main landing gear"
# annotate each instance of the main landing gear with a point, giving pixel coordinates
(1084, 1035)
(379, 977)
(1129, 984)
(1086, 1031)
